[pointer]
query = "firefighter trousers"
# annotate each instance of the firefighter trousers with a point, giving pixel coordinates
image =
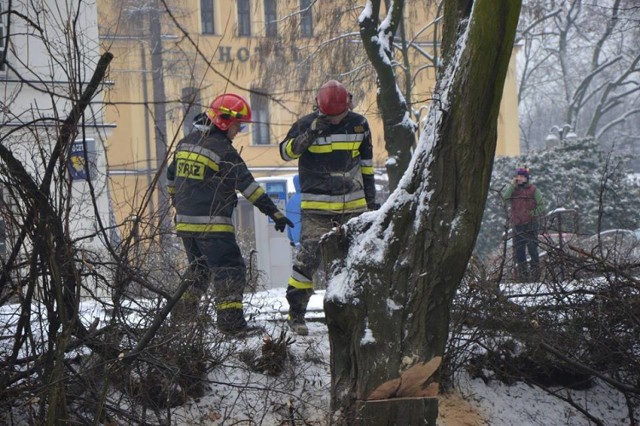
(218, 259)
(308, 258)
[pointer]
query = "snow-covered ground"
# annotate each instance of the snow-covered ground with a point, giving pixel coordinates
(303, 389)
(300, 394)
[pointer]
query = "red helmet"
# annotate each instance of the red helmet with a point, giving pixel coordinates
(333, 98)
(228, 108)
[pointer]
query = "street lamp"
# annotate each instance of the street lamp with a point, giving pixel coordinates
(560, 134)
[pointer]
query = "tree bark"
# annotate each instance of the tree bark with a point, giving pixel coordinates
(399, 411)
(393, 274)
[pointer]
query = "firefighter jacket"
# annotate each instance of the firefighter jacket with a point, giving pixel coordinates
(203, 178)
(335, 167)
(527, 204)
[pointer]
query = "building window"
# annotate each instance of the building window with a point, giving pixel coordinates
(3, 44)
(260, 119)
(2, 48)
(306, 18)
(244, 18)
(270, 18)
(191, 106)
(207, 17)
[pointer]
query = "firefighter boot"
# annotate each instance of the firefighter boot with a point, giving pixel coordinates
(232, 322)
(298, 300)
(186, 309)
(297, 324)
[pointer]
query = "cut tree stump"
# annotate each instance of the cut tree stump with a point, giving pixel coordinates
(397, 411)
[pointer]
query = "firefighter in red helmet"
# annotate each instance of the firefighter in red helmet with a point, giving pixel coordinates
(335, 164)
(204, 176)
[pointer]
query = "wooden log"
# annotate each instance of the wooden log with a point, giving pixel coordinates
(397, 411)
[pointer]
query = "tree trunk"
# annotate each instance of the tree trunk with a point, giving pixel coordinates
(393, 274)
(398, 411)
(160, 123)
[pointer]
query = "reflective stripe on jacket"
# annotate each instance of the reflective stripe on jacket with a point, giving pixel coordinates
(205, 174)
(336, 170)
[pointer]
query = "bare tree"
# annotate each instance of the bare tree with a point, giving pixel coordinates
(580, 62)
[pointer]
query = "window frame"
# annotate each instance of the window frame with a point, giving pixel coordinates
(270, 18)
(244, 18)
(211, 10)
(306, 18)
(3, 41)
(260, 115)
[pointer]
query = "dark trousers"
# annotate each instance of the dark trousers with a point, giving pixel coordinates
(526, 239)
(219, 260)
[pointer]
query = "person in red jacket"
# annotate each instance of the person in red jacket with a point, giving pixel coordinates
(527, 206)
(203, 179)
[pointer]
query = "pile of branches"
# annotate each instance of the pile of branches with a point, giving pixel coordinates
(563, 332)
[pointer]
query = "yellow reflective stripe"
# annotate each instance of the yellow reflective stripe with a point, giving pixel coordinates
(205, 227)
(346, 146)
(192, 156)
(171, 189)
(337, 206)
(336, 146)
(289, 149)
(300, 284)
(366, 170)
(320, 149)
(228, 305)
(256, 194)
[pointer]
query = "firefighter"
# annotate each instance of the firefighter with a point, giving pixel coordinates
(204, 176)
(335, 165)
(527, 206)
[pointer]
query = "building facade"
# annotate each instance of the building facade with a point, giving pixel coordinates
(170, 63)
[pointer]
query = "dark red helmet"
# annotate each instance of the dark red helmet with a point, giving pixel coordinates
(227, 108)
(333, 98)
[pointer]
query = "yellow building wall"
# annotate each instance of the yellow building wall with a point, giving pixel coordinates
(508, 121)
(225, 62)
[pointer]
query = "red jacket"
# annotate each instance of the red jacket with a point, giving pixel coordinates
(523, 204)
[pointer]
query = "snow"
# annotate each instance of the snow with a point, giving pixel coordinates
(521, 404)
(236, 394)
(496, 403)
(367, 337)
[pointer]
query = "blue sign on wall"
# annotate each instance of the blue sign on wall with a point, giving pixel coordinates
(277, 191)
(81, 153)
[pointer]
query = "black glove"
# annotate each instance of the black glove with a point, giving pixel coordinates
(373, 206)
(281, 221)
(320, 125)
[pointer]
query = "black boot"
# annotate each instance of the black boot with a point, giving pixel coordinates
(232, 322)
(186, 309)
(297, 324)
(298, 300)
(535, 271)
(523, 272)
